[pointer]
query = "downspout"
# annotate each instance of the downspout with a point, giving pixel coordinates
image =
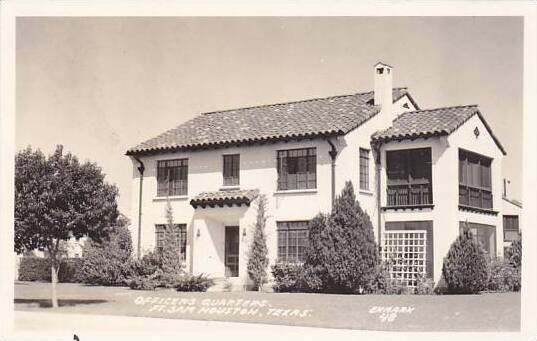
(141, 169)
(376, 149)
(333, 154)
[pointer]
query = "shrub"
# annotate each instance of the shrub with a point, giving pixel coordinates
(108, 262)
(37, 269)
(424, 286)
(343, 254)
(193, 283)
(143, 283)
(34, 269)
(514, 253)
(257, 255)
(287, 277)
(504, 276)
(465, 268)
(70, 270)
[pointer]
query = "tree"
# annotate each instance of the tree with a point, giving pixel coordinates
(257, 255)
(170, 256)
(343, 255)
(465, 269)
(57, 198)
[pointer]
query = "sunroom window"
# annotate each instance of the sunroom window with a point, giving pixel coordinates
(409, 174)
(475, 188)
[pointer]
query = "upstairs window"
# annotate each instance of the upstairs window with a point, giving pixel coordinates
(297, 169)
(475, 189)
(172, 177)
(364, 169)
(178, 237)
(292, 241)
(409, 174)
(231, 170)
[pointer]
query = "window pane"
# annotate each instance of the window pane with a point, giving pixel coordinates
(292, 241)
(296, 169)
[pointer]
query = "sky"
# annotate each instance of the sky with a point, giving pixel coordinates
(102, 85)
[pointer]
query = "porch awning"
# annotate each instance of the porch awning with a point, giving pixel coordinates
(224, 198)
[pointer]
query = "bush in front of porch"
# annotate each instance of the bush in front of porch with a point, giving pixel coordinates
(466, 267)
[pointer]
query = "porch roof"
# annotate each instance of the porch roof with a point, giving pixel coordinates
(224, 197)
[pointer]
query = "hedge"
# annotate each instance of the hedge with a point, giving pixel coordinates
(37, 269)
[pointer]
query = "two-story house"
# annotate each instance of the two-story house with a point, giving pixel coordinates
(420, 174)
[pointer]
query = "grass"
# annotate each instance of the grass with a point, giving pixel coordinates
(486, 312)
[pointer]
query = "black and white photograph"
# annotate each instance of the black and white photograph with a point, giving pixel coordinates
(278, 174)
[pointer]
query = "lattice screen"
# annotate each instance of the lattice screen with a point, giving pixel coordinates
(405, 252)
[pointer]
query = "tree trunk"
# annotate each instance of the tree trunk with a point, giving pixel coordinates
(54, 280)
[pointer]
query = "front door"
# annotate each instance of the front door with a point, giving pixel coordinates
(232, 251)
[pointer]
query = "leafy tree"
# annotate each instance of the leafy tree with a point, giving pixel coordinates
(343, 255)
(465, 269)
(257, 255)
(57, 198)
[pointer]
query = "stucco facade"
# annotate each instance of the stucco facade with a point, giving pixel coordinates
(206, 226)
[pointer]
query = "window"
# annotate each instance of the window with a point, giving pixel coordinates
(231, 170)
(297, 169)
(292, 241)
(179, 236)
(409, 177)
(364, 169)
(475, 188)
(510, 228)
(483, 235)
(172, 177)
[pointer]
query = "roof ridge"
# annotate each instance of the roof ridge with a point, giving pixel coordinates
(296, 101)
(282, 103)
(440, 108)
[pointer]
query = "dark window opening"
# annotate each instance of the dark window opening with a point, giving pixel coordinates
(475, 185)
(292, 241)
(172, 177)
(297, 169)
(510, 228)
(364, 169)
(409, 177)
(231, 170)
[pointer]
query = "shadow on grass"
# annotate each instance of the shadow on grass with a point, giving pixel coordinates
(46, 303)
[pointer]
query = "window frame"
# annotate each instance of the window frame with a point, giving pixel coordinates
(401, 191)
(181, 236)
(291, 181)
(507, 228)
(165, 187)
(290, 231)
(232, 179)
(469, 174)
(364, 168)
(481, 227)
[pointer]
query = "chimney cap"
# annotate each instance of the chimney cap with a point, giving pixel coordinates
(383, 64)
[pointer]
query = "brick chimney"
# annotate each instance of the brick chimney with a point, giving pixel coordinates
(383, 88)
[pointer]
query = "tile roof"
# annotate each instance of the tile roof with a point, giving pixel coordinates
(224, 197)
(431, 122)
(336, 115)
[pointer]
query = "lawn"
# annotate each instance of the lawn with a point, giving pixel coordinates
(486, 312)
